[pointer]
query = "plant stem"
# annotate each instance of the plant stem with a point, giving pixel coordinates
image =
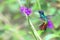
(38, 3)
(33, 29)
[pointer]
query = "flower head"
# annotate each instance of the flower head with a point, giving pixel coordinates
(50, 24)
(22, 9)
(26, 10)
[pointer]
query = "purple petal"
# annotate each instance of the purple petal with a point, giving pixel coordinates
(28, 11)
(25, 10)
(50, 24)
(22, 9)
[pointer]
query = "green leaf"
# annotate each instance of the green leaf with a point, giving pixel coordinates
(56, 20)
(1, 8)
(13, 5)
(52, 11)
(16, 16)
(49, 36)
(1, 32)
(22, 32)
(7, 27)
(39, 32)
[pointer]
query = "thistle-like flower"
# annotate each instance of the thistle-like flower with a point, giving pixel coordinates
(50, 24)
(26, 10)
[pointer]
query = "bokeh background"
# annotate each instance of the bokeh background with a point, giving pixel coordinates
(14, 25)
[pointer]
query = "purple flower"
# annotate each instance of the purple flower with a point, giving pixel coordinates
(28, 11)
(50, 24)
(22, 9)
(25, 10)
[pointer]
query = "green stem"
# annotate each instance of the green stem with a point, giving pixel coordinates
(38, 3)
(27, 3)
(31, 29)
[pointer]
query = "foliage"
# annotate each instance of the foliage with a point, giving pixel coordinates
(14, 23)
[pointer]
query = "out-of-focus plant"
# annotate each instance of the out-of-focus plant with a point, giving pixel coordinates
(27, 13)
(13, 23)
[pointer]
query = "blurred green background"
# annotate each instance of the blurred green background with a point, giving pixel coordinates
(14, 25)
